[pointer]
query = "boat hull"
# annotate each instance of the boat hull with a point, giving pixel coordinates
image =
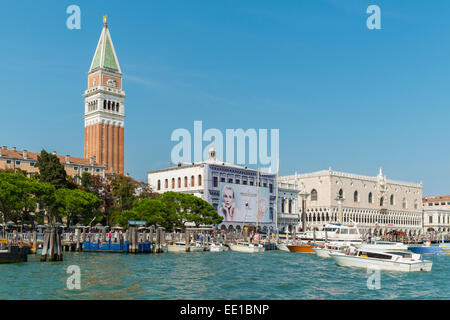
(175, 249)
(375, 264)
(322, 252)
(301, 248)
(426, 250)
(282, 247)
(238, 248)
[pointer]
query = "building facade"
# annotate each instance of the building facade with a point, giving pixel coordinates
(436, 214)
(213, 181)
(26, 160)
(376, 204)
(105, 107)
(288, 208)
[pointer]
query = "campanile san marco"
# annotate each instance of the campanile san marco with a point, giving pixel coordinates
(104, 107)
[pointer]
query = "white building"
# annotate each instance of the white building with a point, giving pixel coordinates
(288, 210)
(207, 180)
(376, 204)
(436, 214)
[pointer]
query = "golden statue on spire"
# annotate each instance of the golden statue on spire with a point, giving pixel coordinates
(104, 19)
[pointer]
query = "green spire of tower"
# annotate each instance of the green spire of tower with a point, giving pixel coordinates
(105, 55)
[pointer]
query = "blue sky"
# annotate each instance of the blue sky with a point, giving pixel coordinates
(343, 96)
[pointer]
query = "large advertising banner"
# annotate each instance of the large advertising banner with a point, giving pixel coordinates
(238, 203)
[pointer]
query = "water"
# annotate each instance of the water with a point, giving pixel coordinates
(210, 275)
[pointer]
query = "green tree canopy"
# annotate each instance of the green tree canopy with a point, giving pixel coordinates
(76, 204)
(51, 170)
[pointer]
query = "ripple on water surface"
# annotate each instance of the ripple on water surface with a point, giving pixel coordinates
(207, 275)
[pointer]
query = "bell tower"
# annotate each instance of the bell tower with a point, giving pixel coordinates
(104, 107)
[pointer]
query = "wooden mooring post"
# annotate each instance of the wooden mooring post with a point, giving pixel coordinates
(187, 239)
(52, 246)
(34, 242)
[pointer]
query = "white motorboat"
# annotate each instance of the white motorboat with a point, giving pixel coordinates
(247, 247)
(176, 247)
(283, 246)
(217, 247)
(324, 252)
(333, 232)
(383, 260)
(383, 246)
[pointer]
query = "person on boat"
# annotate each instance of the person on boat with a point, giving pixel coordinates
(351, 250)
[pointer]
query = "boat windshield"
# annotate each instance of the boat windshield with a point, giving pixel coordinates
(403, 254)
(376, 255)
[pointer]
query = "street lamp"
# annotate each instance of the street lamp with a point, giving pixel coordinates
(340, 199)
(304, 196)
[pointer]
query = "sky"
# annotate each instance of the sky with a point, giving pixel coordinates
(341, 95)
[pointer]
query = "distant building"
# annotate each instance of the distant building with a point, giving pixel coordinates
(230, 189)
(26, 160)
(376, 204)
(436, 214)
(288, 208)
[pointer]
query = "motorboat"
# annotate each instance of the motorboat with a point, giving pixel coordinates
(14, 254)
(180, 246)
(302, 247)
(282, 246)
(247, 247)
(382, 260)
(333, 232)
(214, 247)
(325, 250)
(426, 248)
(383, 246)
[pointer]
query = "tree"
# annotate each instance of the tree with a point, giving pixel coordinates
(76, 204)
(20, 195)
(183, 207)
(51, 170)
(101, 188)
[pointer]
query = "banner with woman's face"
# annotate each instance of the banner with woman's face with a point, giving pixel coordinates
(238, 203)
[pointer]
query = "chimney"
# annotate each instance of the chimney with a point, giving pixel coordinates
(25, 154)
(54, 153)
(67, 159)
(13, 148)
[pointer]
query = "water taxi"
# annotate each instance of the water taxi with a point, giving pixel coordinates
(302, 247)
(383, 260)
(247, 247)
(282, 246)
(445, 247)
(333, 232)
(426, 248)
(180, 246)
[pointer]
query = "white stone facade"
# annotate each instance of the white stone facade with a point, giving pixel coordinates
(376, 204)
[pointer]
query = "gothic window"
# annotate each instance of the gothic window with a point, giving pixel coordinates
(179, 182)
(355, 196)
(185, 182)
(167, 184)
(404, 203)
(392, 200)
(192, 181)
(381, 201)
(290, 206)
(282, 205)
(314, 195)
(370, 197)
(341, 193)
(199, 180)
(159, 184)
(173, 183)
(104, 104)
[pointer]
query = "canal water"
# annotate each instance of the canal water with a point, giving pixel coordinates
(209, 275)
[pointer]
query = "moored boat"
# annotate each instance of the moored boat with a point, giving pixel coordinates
(426, 249)
(282, 246)
(14, 254)
(445, 247)
(383, 246)
(383, 260)
(180, 246)
(324, 252)
(302, 247)
(247, 247)
(217, 247)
